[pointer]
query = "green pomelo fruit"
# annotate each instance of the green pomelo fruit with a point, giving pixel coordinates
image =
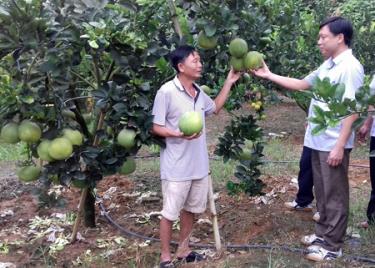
(42, 151)
(29, 132)
(253, 60)
(74, 136)
(237, 64)
(190, 123)
(126, 138)
(68, 113)
(206, 89)
(60, 148)
(128, 166)
(9, 133)
(206, 42)
(247, 77)
(245, 154)
(248, 143)
(238, 48)
(29, 173)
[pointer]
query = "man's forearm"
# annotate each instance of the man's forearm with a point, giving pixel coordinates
(346, 130)
(223, 96)
(288, 82)
(164, 132)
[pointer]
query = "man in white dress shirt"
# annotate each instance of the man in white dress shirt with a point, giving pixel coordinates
(331, 148)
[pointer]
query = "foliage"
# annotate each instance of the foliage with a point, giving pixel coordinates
(362, 14)
(86, 57)
(104, 60)
(338, 107)
(231, 143)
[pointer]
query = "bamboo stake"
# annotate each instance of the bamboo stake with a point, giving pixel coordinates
(214, 214)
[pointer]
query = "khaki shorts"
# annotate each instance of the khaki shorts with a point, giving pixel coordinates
(188, 195)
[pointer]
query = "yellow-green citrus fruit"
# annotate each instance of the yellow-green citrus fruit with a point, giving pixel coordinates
(190, 123)
(238, 48)
(245, 154)
(128, 166)
(253, 60)
(126, 138)
(248, 143)
(42, 151)
(206, 42)
(74, 136)
(29, 132)
(109, 130)
(68, 113)
(237, 64)
(9, 133)
(60, 148)
(28, 173)
(206, 89)
(247, 77)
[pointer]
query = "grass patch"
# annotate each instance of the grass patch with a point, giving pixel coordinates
(12, 152)
(281, 150)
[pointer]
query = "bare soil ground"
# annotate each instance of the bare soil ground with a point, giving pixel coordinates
(242, 220)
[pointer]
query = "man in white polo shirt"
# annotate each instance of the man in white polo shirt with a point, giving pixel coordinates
(331, 148)
(184, 163)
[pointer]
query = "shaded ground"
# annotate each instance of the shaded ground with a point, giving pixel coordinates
(134, 203)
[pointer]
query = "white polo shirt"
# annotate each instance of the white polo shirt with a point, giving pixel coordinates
(372, 91)
(345, 69)
(182, 159)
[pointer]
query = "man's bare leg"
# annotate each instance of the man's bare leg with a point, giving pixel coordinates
(165, 237)
(186, 224)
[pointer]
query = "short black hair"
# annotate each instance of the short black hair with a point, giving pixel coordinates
(179, 55)
(339, 25)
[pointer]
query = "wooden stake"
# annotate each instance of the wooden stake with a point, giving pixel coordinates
(213, 214)
(79, 214)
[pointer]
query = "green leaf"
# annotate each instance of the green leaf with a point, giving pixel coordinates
(340, 90)
(318, 129)
(93, 44)
(210, 29)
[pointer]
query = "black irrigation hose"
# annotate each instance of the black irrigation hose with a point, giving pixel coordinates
(263, 161)
(285, 248)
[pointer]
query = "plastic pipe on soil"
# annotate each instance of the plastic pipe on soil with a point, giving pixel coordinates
(228, 246)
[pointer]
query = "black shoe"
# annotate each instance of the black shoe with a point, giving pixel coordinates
(167, 264)
(192, 257)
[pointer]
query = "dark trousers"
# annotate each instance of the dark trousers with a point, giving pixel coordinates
(331, 186)
(371, 204)
(305, 179)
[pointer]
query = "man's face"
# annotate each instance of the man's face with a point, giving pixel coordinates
(328, 42)
(191, 66)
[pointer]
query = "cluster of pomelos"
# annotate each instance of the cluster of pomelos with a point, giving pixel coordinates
(59, 148)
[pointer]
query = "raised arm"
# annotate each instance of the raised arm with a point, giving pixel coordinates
(284, 81)
(224, 92)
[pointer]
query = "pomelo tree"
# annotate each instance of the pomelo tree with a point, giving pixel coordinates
(79, 73)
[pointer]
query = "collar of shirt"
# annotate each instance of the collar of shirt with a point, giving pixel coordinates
(180, 88)
(332, 62)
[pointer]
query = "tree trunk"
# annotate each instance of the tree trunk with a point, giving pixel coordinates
(89, 209)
